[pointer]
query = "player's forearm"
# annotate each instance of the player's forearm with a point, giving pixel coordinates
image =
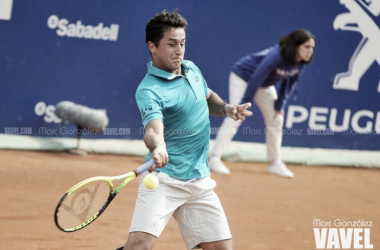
(153, 140)
(216, 104)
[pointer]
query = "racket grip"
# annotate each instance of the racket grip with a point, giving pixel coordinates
(145, 167)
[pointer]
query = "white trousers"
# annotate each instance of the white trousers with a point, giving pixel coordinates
(264, 98)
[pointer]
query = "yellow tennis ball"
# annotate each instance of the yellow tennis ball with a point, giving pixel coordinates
(150, 181)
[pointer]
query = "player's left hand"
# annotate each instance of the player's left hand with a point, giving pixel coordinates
(238, 112)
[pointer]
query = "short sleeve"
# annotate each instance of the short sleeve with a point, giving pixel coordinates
(149, 105)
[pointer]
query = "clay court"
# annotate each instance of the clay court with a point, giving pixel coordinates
(265, 212)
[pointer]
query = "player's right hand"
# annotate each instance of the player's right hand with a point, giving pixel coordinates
(160, 157)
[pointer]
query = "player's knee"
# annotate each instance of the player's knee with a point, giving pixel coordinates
(140, 241)
(220, 245)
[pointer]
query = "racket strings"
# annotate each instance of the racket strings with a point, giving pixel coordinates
(83, 203)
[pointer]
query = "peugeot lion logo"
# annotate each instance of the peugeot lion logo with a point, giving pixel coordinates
(367, 52)
(6, 9)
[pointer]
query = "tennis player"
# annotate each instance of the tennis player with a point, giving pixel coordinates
(254, 77)
(175, 104)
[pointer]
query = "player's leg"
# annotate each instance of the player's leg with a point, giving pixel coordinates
(153, 210)
(265, 99)
(217, 245)
(202, 220)
(229, 127)
(140, 241)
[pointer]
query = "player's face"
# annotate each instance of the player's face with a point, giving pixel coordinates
(169, 53)
(305, 51)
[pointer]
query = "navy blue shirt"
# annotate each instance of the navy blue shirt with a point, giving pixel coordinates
(267, 68)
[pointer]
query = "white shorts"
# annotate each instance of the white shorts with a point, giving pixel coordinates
(194, 205)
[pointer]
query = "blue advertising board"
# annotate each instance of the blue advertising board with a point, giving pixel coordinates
(93, 53)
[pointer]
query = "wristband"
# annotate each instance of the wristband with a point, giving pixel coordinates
(223, 109)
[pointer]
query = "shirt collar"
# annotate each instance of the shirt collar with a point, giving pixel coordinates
(164, 74)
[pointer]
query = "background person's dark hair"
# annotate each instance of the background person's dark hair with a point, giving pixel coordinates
(162, 22)
(290, 42)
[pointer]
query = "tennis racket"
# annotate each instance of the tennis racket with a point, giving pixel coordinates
(87, 200)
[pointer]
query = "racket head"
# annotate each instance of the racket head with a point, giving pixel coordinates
(84, 202)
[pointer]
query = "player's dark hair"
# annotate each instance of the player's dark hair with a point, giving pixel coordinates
(290, 42)
(162, 22)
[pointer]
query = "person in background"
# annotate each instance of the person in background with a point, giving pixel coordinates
(254, 77)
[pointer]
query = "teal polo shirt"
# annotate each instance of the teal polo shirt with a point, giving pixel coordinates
(180, 103)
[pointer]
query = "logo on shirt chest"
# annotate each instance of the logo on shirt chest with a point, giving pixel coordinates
(285, 73)
(196, 78)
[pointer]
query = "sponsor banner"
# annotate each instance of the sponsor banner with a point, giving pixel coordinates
(79, 30)
(94, 54)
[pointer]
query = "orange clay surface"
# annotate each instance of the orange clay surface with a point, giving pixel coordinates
(265, 212)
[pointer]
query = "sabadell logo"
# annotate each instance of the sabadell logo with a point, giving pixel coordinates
(79, 30)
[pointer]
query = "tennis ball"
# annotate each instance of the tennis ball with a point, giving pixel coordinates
(150, 181)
